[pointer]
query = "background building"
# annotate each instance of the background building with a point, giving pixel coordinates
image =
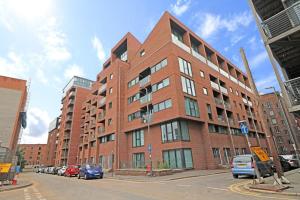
(34, 154)
(277, 124)
(172, 100)
(13, 94)
(74, 94)
(52, 141)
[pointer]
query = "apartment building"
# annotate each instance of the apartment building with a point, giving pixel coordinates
(172, 101)
(34, 154)
(74, 94)
(279, 24)
(13, 93)
(52, 141)
(277, 123)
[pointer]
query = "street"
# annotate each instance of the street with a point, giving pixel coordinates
(49, 187)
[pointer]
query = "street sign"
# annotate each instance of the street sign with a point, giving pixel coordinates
(244, 127)
(4, 167)
(149, 148)
(261, 154)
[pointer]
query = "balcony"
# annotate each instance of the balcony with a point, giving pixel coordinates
(66, 136)
(65, 146)
(221, 119)
(101, 116)
(212, 65)
(71, 94)
(214, 85)
(231, 121)
(94, 100)
(102, 101)
(244, 100)
(146, 98)
(67, 127)
(93, 111)
(227, 105)
(198, 56)
(180, 44)
(282, 22)
(224, 73)
(68, 118)
(71, 102)
(224, 90)
(70, 110)
(93, 124)
(250, 103)
(101, 130)
(145, 81)
(102, 88)
(293, 90)
(218, 101)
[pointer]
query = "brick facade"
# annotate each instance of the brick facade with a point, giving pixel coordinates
(34, 154)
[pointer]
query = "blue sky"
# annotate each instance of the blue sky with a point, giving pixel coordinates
(49, 41)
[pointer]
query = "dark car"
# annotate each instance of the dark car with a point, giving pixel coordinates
(90, 171)
(284, 163)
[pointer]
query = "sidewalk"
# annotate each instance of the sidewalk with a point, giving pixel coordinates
(176, 176)
(293, 190)
(21, 183)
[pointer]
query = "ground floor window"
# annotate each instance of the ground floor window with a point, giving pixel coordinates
(138, 160)
(178, 158)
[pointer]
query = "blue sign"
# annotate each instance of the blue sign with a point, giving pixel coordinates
(244, 128)
(149, 148)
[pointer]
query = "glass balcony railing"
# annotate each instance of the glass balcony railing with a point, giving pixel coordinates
(145, 80)
(102, 101)
(146, 98)
(102, 88)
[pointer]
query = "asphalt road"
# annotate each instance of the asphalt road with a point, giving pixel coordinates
(216, 187)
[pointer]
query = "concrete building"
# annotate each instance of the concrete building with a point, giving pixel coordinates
(74, 94)
(276, 121)
(34, 154)
(52, 141)
(172, 101)
(13, 95)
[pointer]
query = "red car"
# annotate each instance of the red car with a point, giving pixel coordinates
(72, 170)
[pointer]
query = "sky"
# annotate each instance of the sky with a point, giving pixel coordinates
(49, 41)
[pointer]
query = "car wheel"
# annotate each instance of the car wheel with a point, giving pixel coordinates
(235, 176)
(85, 177)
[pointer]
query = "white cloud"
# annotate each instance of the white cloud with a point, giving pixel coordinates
(41, 76)
(73, 70)
(210, 24)
(97, 44)
(180, 7)
(235, 39)
(13, 66)
(37, 126)
(267, 81)
(258, 60)
(53, 41)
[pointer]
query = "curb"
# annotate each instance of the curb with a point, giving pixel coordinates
(15, 188)
(270, 192)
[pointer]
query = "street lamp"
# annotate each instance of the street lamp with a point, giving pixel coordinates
(286, 122)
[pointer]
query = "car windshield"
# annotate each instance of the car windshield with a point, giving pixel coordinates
(242, 159)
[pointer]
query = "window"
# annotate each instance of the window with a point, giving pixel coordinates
(110, 90)
(188, 86)
(272, 113)
(162, 105)
(185, 67)
(107, 138)
(133, 82)
(237, 93)
(230, 89)
(133, 98)
(205, 91)
(216, 152)
(142, 53)
(160, 85)
(217, 129)
(110, 105)
(111, 76)
(134, 116)
(191, 107)
(138, 160)
(173, 131)
(138, 138)
(109, 122)
(209, 112)
(274, 121)
(202, 74)
(178, 158)
(159, 66)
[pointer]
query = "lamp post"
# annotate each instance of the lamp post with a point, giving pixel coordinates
(290, 131)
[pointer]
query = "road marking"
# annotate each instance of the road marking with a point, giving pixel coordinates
(184, 185)
(223, 189)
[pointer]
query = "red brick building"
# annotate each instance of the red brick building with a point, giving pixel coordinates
(13, 95)
(34, 154)
(74, 94)
(52, 141)
(278, 124)
(173, 95)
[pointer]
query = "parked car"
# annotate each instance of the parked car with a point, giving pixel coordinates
(72, 170)
(292, 160)
(244, 165)
(39, 170)
(50, 170)
(90, 171)
(285, 164)
(61, 171)
(55, 171)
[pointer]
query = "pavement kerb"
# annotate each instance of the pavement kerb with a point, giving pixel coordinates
(246, 187)
(170, 179)
(15, 188)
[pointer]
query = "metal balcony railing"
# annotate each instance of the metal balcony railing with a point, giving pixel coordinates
(145, 80)
(282, 21)
(293, 90)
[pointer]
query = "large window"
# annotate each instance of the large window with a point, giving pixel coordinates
(178, 158)
(159, 66)
(162, 105)
(188, 86)
(185, 67)
(138, 138)
(138, 160)
(134, 116)
(133, 82)
(209, 112)
(160, 85)
(191, 107)
(173, 131)
(134, 98)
